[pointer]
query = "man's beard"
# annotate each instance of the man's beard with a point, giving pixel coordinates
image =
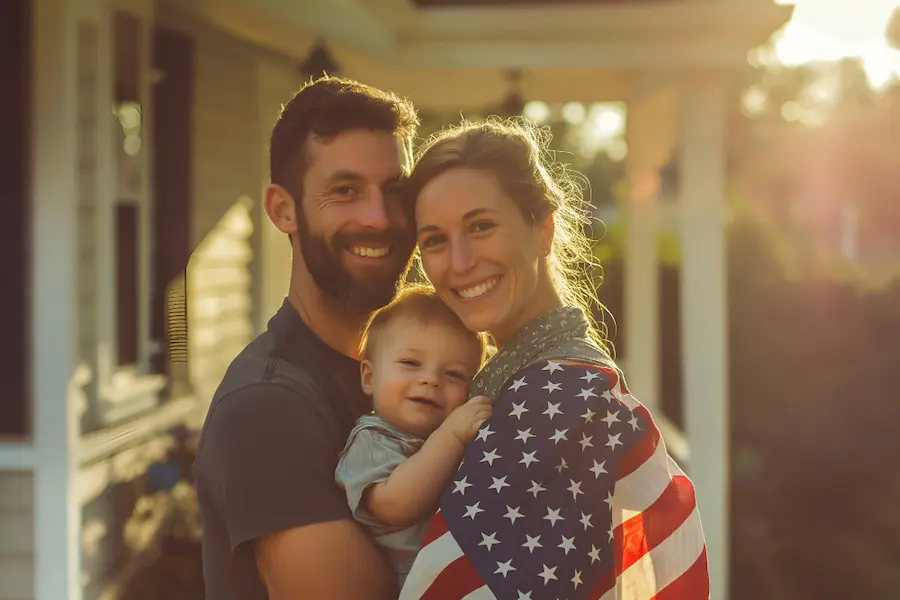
(356, 293)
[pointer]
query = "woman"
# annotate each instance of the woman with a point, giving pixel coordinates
(567, 491)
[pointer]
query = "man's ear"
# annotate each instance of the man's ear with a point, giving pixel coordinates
(281, 208)
(365, 376)
(544, 231)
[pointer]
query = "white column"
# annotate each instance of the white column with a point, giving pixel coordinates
(54, 300)
(704, 311)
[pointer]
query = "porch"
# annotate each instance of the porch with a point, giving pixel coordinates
(150, 262)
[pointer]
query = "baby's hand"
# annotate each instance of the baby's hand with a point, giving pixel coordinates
(466, 419)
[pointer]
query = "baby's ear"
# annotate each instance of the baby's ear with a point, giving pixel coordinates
(365, 376)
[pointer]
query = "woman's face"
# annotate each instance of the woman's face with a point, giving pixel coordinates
(483, 258)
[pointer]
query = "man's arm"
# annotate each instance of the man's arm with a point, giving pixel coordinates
(272, 464)
(334, 560)
(413, 491)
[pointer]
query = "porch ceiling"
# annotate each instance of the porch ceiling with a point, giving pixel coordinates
(620, 34)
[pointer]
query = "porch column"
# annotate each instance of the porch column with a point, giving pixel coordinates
(54, 300)
(649, 133)
(704, 317)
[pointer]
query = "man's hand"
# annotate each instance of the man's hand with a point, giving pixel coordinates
(466, 419)
(333, 560)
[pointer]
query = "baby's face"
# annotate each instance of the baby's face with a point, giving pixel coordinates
(419, 373)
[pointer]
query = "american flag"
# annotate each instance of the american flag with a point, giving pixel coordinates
(566, 493)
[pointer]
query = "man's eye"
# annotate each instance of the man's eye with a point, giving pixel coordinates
(344, 191)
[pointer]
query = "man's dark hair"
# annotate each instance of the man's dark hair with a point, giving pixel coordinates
(325, 107)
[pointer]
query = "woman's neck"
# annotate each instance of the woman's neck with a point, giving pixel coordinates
(540, 303)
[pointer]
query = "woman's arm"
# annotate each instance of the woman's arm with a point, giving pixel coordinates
(412, 492)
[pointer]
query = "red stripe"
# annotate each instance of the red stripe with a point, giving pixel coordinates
(456, 581)
(436, 528)
(645, 531)
(604, 584)
(693, 584)
(643, 450)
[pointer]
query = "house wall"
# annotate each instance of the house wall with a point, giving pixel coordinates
(16, 539)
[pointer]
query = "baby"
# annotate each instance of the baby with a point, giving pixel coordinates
(417, 361)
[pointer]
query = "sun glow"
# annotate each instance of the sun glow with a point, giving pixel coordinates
(829, 30)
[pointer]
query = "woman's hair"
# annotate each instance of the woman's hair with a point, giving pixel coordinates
(516, 152)
(419, 302)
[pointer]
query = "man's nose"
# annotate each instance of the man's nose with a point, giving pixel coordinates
(373, 212)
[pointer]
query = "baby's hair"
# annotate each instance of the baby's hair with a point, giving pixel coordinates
(419, 302)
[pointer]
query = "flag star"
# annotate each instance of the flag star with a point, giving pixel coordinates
(586, 442)
(598, 469)
(588, 416)
(524, 435)
(484, 433)
(567, 544)
(461, 485)
(574, 488)
(589, 376)
(517, 384)
(586, 521)
(609, 499)
(608, 395)
(611, 534)
(576, 579)
(472, 510)
(634, 422)
(552, 410)
(610, 418)
(518, 410)
(551, 387)
(553, 516)
(499, 484)
(512, 514)
(594, 554)
(587, 393)
(528, 458)
(548, 574)
(552, 367)
(504, 568)
(536, 488)
(490, 457)
(613, 440)
(559, 436)
(489, 540)
(523, 595)
(532, 542)
(562, 465)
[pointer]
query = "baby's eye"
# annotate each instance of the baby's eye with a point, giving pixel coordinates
(409, 362)
(458, 375)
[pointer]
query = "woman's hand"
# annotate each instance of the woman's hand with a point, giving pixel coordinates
(466, 419)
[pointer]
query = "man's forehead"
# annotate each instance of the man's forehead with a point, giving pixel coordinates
(364, 154)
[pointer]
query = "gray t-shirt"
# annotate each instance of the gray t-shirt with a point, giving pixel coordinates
(373, 450)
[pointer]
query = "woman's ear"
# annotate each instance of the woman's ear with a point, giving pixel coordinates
(365, 376)
(544, 231)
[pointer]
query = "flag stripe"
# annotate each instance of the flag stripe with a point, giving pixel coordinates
(639, 490)
(429, 564)
(644, 449)
(436, 528)
(645, 531)
(482, 593)
(457, 580)
(692, 585)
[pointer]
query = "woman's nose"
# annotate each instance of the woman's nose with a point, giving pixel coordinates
(461, 256)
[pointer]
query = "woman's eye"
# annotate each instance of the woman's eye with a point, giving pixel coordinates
(480, 226)
(431, 241)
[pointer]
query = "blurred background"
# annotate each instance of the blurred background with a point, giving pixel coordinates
(743, 159)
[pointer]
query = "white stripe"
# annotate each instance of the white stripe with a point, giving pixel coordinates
(431, 560)
(482, 593)
(637, 491)
(664, 563)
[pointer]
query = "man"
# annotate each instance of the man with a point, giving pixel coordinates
(275, 525)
